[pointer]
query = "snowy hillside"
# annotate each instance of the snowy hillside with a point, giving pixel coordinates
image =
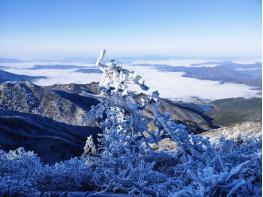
(130, 159)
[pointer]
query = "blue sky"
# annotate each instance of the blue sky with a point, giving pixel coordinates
(60, 28)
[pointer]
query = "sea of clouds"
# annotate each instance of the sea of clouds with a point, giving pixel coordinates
(172, 85)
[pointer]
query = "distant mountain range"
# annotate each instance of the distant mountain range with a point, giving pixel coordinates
(7, 76)
(54, 66)
(249, 74)
(9, 60)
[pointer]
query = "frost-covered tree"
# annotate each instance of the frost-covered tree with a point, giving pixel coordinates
(130, 160)
(125, 141)
(89, 148)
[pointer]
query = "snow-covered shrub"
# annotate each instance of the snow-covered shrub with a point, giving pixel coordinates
(70, 175)
(131, 161)
(228, 169)
(22, 173)
(17, 170)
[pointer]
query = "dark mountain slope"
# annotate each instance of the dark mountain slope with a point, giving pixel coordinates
(195, 120)
(231, 111)
(51, 140)
(7, 76)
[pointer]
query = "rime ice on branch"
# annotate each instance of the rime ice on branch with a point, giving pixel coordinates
(129, 162)
(126, 140)
(117, 77)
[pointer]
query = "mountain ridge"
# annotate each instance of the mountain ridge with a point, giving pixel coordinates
(51, 119)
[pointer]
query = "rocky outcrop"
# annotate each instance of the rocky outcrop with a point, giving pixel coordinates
(51, 102)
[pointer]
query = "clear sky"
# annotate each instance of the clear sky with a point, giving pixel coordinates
(59, 28)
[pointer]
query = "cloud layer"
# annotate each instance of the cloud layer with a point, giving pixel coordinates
(171, 85)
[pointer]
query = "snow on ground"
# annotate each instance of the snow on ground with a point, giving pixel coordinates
(236, 132)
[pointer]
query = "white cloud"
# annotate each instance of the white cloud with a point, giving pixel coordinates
(174, 86)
